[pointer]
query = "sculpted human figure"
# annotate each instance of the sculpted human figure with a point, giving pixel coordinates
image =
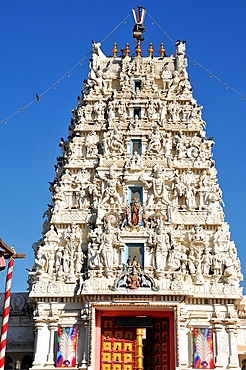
(111, 112)
(51, 237)
(50, 261)
(122, 110)
(66, 261)
(163, 112)
(189, 179)
(174, 110)
(180, 144)
(73, 237)
(116, 141)
(206, 262)
(174, 82)
(174, 257)
(39, 262)
(91, 143)
(58, 258)
(58, 199)
(178, 189)
(152, 110)
(216, 261)
(111, 193)
(197, 235)
(190, 196)
(166, 76)
(97, 54)
(192, 262)
(106, 246)
(99, 108)
(155, 141)
(168, 144)
(161, 244)
(79, 259)
(95, 79)
(94, 193)
(157, 184)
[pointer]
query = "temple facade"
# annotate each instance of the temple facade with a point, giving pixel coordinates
(136, 268)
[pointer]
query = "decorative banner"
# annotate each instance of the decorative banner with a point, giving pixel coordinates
(2, 261)
(66, 347)
(203, 349)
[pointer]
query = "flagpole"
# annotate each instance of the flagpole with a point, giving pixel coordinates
(6, 310)
(9, 253)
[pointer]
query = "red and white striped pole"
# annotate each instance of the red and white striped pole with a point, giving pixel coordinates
(6, 310)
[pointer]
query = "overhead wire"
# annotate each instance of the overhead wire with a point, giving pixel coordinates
(211, 74)
(80, 62)
(67, 74)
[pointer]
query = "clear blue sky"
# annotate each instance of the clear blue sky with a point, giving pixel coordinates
(41, 40)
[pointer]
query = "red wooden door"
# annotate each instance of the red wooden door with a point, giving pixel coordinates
(157, 352)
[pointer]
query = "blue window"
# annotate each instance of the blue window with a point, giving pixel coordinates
(137, 84)
(136, 146)
(137, 112)
(135, 192)
(135, 251)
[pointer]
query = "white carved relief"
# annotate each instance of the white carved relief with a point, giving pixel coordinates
(179, 219)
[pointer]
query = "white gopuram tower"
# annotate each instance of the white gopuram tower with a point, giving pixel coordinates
(136, 269)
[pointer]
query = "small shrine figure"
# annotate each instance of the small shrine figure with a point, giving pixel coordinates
(133, 282)
(135, 208)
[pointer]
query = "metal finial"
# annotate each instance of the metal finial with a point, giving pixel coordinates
(138, 49)
(115, 51)
(127, 50)
(150, 50)
(162, 50)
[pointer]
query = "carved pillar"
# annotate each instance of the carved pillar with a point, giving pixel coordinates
(39, 326)
(50, 358)
(217, 329)
(183, 345)
(84, 363)
(191, 348)
(233, 354)
(85, 345)
(184, 339)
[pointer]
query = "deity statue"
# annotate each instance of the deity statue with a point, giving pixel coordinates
(39, 262)
(91, 143)
(157, 184)
(155, 141)
(161, 244)
(111, 193)
(106, 248)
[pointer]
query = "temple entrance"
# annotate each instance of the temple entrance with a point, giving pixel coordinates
(136, 343)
